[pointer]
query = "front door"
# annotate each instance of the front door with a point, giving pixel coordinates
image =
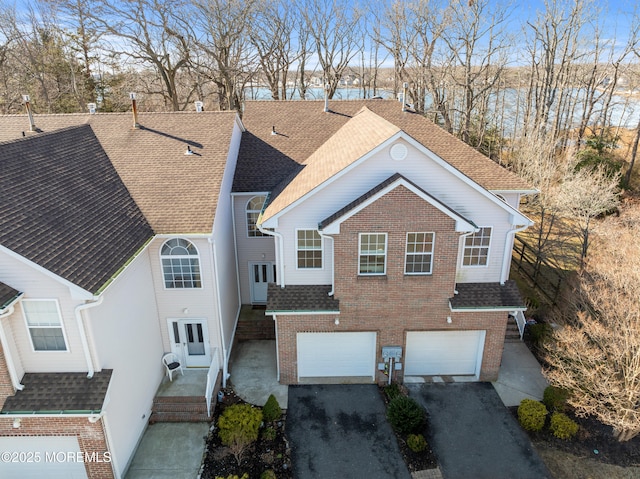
(190, 341)
(261, 274)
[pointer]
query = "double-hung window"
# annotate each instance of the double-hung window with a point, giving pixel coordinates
(419, 256)
(372, 252)
(180, 264)
(476, 248)
(44, 322)
(309, 248)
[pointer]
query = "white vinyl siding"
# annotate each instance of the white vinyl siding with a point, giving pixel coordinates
(44, 322)
(309, 249)
(372, 253)
(419, 253)
(476, 248)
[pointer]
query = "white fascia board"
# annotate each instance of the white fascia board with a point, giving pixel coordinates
(76, 291)
(462, 224)
(239, 123)
(249, 193)
(269, 223)
(486, 310)
(298, 313)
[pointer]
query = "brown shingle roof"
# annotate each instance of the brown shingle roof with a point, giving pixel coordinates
(177, 193)
(7, 295)
(487, 296)
(300, 298)
(65, 208)
(302, 126)
(51, 393)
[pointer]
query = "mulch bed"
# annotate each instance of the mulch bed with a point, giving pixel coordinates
(265, 454)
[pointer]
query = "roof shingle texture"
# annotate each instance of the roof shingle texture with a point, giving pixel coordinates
(300, 298)
(302, 127)
(65, 208)
(177, 193)
(7, 294)
(487, 295)
(59, 393)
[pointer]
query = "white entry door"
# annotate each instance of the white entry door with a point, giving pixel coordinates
(190, 341)
(261, 274)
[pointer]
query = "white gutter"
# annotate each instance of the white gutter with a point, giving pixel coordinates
(83, 333)
(7, 353)
(213, 259)
(333, 262)
(508, 252)
(280, 251)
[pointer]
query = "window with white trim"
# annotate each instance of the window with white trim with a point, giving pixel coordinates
(180, 264)
(476, 248)
(254, 207)
(309, 248)
(44, 322)
(372, 251)
(419, 256)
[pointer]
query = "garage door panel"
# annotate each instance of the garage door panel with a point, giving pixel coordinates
(435, 353)
(336, 354)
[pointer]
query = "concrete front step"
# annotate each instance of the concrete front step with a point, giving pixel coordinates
(179, 409)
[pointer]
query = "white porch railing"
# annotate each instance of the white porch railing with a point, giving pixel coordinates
(521, 321)
(212, 375)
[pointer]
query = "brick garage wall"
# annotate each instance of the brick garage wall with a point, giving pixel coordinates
(394, 303)
(6, 388)
(90, 437)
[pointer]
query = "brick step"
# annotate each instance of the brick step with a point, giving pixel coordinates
(179, 399)
(255, 329)
(179, 409)
(178, 417)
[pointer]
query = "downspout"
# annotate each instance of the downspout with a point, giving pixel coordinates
(83, 332)
(275, 321)
(7, 353)
(333, 263)
(280, 250)
(460, 248)
(506, 260)
(213, 259)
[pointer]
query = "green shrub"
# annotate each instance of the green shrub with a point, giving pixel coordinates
(539, 333)
(271, 410)
(406, 415)
(532, 414)
(268, 474)
(268, 434)
(416, 442)
(392, 391)
(562, 426)
(238, 427)
(555, 398)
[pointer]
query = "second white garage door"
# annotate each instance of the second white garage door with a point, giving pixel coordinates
(451, 353)
(334, 355)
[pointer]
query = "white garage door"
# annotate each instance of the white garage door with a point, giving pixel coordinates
(336, 355)
(52, 457)
(436, 353)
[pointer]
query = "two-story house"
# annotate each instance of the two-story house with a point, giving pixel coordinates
(366, 227)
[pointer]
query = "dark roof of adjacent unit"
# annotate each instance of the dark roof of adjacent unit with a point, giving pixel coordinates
(65, 208)
(300, 299)
(7, 295)
(487, 296)
(59, 393)
(302, 127)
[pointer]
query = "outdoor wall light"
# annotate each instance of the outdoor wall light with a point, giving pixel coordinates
(16, 423)
(448, 319)
(337, 321)
(185, 311)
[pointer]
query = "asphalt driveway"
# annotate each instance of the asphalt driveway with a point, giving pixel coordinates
(340, 431)
(474, 435)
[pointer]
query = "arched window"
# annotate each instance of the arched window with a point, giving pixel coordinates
(254, 207)
(180, 264)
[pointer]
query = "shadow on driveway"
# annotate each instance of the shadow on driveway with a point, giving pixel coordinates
(340, 431)
(474, 435)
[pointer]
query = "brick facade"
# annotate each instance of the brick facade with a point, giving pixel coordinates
(395, 303)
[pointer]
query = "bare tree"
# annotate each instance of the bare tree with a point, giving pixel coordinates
(596, 354)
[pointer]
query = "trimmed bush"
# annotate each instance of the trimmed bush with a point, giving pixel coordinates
(555, 398)
(268, 434)
(406, 415)
(532, 414)
(238, 427)
(271, 410)
(416, 442)
(268, 474)
(562, 426)
(392, 391)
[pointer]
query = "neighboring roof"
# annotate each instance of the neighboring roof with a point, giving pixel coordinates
(7, 295)
(379, 189)
(177, 193)
(300, 299)
(487, 296)
(302, 127)
(59, 393)
(65, 208)
(362, 133)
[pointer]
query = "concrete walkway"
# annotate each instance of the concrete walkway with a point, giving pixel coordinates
(254, 373)
(520, 376)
